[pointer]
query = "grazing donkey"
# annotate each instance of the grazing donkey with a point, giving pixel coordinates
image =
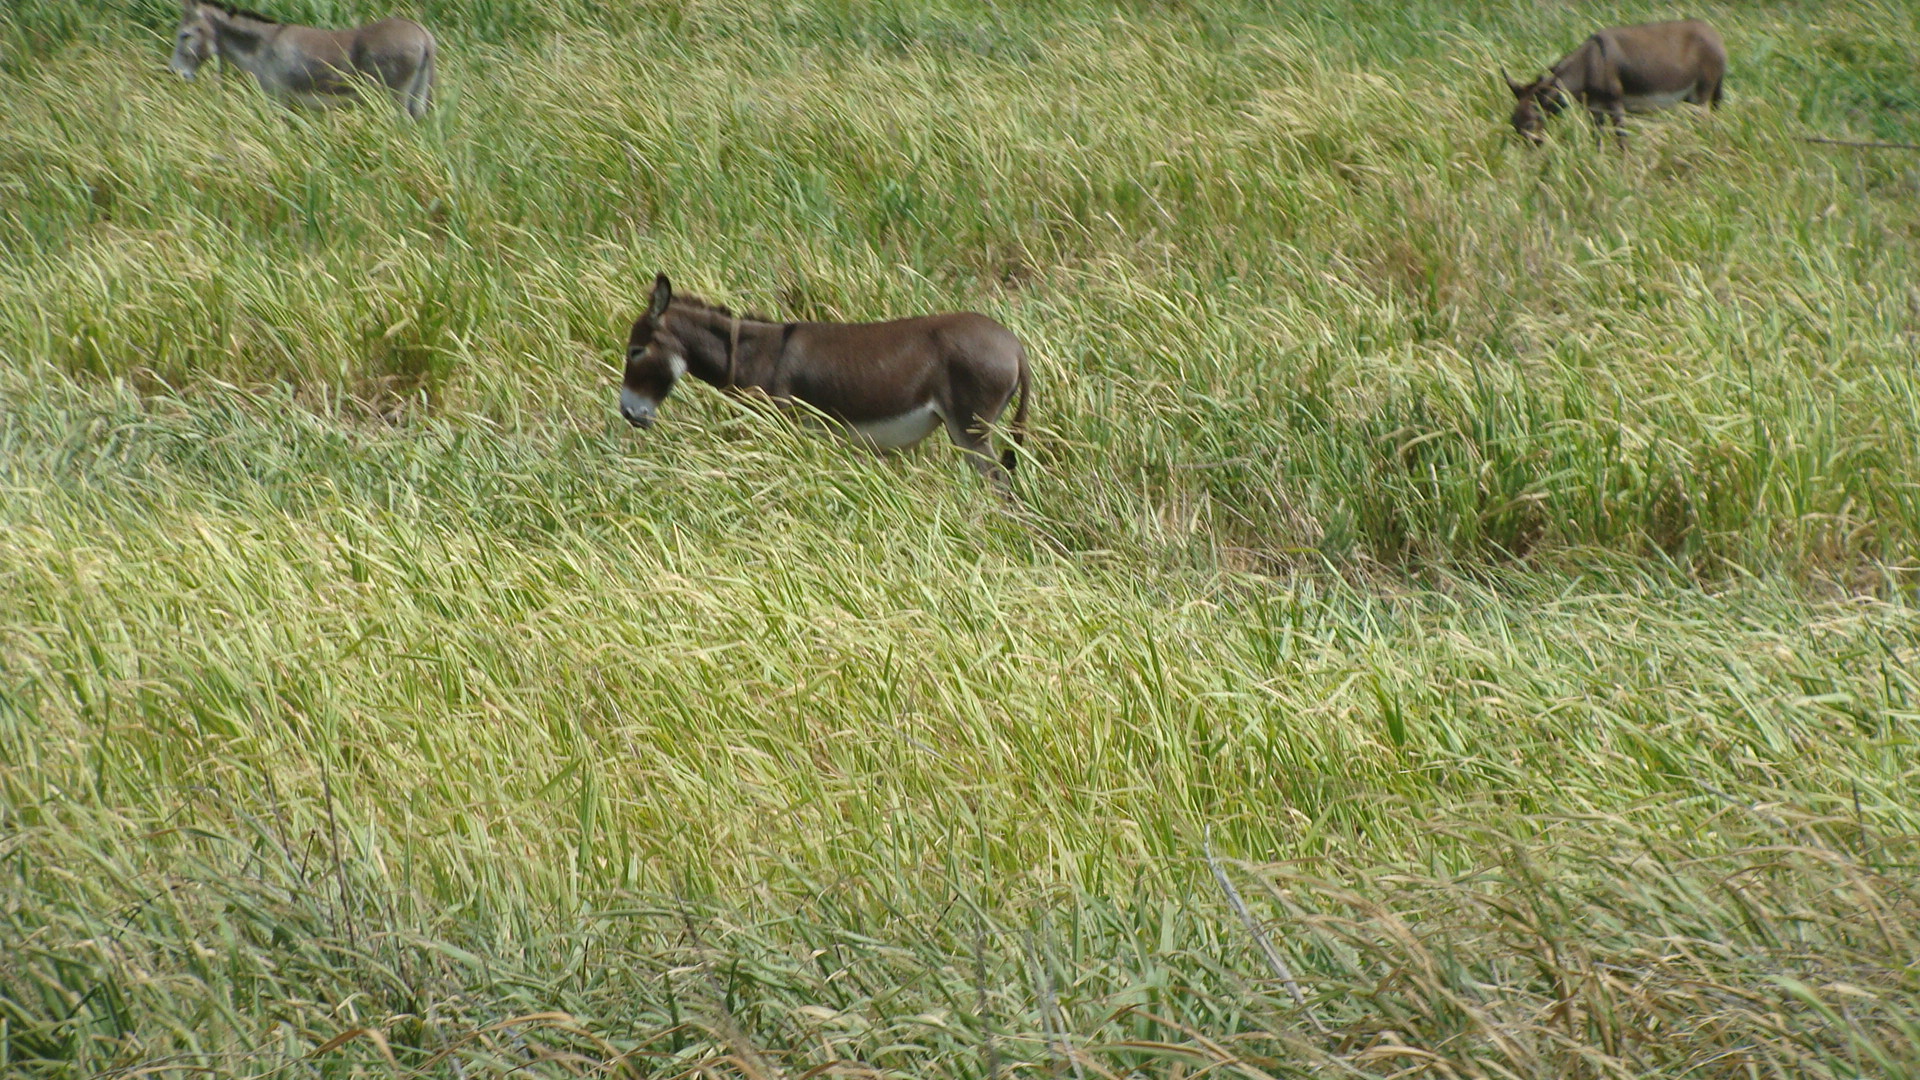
(890, 383)
(306, 64)
(1645, 67)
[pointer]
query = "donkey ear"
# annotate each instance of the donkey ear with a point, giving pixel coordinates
(662, 296)
(1519, 89)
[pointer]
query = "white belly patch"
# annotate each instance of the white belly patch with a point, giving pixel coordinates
(900, 432)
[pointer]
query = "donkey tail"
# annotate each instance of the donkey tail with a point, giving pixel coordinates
(1018, 429)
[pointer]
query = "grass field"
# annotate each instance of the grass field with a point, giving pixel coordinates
(1502, 562)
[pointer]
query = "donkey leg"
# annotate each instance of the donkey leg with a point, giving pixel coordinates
(969, 433)
(420, 87)
(410, 77)
(412, 100)
(1614, 112)
(406, 95)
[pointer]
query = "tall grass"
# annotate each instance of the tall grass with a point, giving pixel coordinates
(1298, 281)
(1505, 555)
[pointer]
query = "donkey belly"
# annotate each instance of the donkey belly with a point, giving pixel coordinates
(311, 84)
(902, 431)
(1651, 102)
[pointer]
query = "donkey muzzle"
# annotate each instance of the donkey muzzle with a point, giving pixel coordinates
(638, 410)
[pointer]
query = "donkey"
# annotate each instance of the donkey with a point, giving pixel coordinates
(1645, 67)
(306, 64)
(889, 383)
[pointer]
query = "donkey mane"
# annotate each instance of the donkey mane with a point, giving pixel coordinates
(245, 13)
(704, 304)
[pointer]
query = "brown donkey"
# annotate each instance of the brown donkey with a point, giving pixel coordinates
(306, 64)
(1645, 67)
(890, 383)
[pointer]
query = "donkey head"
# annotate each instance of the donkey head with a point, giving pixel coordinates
(656, 359)
(1533, 103)
(193, 42)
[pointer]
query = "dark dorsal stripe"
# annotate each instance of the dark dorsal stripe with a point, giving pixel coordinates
(722, 310)
(244, 13)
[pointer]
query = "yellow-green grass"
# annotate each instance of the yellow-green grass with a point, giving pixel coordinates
(1504, 556)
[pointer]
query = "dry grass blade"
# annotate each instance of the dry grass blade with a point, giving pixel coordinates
(1516, 547)
(1865, 145)
(373, 1035)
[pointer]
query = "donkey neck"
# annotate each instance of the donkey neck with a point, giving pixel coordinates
(241, 38)
(725, 349)
(1574, 70)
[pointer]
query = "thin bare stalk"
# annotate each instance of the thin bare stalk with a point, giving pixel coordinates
(1279, 966)
(1862, 144)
